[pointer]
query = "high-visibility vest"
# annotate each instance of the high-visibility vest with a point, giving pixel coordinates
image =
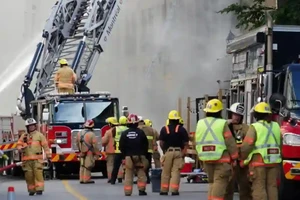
(210, 142)
(268, 140)
(119, 130)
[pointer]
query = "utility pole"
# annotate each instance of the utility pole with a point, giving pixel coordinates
(269, 47)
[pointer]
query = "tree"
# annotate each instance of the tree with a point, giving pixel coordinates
(254, 15)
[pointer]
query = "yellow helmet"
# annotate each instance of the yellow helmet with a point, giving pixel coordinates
(123, 120)
(213, 106)
(63, 61)
(262, 107)
(112, 120)
(181, 121)
(167, 122)
(148, 122)
(174, 115)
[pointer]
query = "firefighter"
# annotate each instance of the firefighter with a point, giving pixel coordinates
(216, 148)
(240, 174)
(31, 145)
(65, 78)
(156, 154)
(134, 147)
(87, 144)
(150, 133)
(261, 152)
(117, 171)
(108, 142)
(174, 143)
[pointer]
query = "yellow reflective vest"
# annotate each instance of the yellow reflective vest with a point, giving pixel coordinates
(119, 131)
(210, 142)
(267, 144)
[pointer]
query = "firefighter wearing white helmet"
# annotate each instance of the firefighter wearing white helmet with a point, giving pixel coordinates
(261, 151)
(240, 175)
(65, 78)
(32, 144)
(216, 148)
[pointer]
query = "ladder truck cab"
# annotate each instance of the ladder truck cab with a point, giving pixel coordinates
(78, 31)
(252, 82)
(64, 116)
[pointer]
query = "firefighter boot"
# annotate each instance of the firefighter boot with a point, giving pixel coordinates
(120, 180)
(39, 193)
(142, 193)
(175, 193)
(89, 182)
(31, 193)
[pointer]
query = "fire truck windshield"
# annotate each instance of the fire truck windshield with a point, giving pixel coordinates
(293, 89)
(99, 111)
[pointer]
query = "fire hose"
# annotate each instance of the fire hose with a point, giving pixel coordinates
(47, 165)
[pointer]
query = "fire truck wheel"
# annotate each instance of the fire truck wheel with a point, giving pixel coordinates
(288, 189)
(104, 172)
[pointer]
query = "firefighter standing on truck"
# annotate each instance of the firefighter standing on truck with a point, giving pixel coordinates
(216, 148)
(150, 133)
(240, 174)
(117, 171)
(156, 154)
(134, 147)
(65, 78)
(87, 144)
(261, 151)
(174, 143)
(31, 145)
(108, 141)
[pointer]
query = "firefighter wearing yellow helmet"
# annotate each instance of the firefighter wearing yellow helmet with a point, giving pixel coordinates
(152, 142)
(117, 171)
(174, 142)
(216, 148)
(87, 144)
(240, 174)
(261, 151)
(108, 142)
(156, 154)
(65, 78)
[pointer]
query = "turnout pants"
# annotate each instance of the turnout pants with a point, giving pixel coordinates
(132, 163)
(63, 90)
(264, 182)
(172, 163)
(219, 175)
(33, 170)
(156, 158)
(117, 169)
(240, 175)
(86, 164)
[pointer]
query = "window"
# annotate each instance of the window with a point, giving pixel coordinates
(99, 111)
(292, 91)
(68, 112)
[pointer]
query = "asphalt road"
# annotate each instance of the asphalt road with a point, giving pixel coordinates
(72, 190)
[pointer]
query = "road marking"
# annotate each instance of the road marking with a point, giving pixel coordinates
(73, 191)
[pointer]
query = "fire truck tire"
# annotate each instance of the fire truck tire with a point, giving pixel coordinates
(104, 172)
(17, 171)
(288, 189)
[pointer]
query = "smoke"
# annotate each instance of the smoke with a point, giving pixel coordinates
(155, 57)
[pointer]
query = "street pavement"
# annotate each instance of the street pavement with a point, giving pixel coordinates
(72, 190)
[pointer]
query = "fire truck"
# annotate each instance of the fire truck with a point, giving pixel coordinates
(78, 31)
(252, 82)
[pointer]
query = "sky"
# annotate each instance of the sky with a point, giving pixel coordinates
(159, 51)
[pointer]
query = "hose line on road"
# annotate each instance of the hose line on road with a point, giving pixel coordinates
(73, 191)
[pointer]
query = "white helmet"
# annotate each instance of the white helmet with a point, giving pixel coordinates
(30, 121)
(140, 118)
(237, 108)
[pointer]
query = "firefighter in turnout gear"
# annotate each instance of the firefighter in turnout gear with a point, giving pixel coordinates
(261, 151)
(174, 143)
(65, 78)
(117, 171)
(152, 144)
(156, 154)
(31, 145)
(87, 144)
(240, 174)
(134, 147)
(108, 142)
(216, 148)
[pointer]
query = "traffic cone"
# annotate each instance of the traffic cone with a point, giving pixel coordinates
(11, 193)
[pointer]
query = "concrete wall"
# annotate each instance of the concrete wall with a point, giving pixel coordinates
(149, 61)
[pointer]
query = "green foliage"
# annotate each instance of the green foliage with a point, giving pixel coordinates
(254, 15)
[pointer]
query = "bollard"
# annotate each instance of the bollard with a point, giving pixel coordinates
(11, 193)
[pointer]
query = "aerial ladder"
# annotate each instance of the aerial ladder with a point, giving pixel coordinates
(76, 30)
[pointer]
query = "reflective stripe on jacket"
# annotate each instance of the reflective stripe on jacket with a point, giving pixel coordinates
(267, 144)
(210, 143)
(119, 131)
